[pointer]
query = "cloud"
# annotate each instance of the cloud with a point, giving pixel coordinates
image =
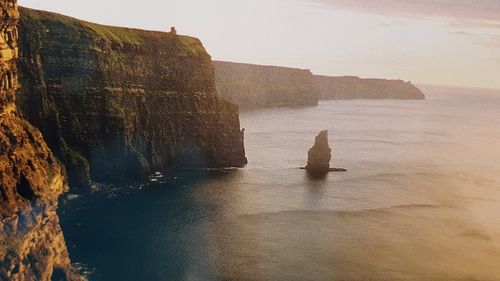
(470, 13)
(476, 24)
(462, 33)
(465, 17)
(393, 23)
(493, 59)
(493, 42)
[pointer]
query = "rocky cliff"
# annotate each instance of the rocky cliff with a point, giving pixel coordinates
(116, 103)
(258, 86)
(350, 87)
(32, 246)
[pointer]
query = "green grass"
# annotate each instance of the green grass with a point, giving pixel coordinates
(116, 34)
(113, 34)
(192, 45)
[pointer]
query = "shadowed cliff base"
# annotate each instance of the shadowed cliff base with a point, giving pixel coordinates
(351, 87)
(117, 103)
(260, 86)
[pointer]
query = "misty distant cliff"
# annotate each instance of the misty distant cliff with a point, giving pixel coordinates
(351, 87)
(258, 86)
(119, 103)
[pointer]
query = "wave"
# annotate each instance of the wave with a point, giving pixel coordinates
(399, 143)
(359, 212)
(392, 176)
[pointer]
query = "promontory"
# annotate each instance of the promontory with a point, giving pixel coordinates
(118, 103)
(353, 87)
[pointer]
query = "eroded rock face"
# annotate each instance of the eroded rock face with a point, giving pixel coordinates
(260, 86)
(320, 154)
(116, 103)
(32, 246)
(351, 87)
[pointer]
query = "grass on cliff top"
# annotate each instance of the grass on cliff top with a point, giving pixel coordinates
(113, 34)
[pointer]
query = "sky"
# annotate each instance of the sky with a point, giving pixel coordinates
(447, 42)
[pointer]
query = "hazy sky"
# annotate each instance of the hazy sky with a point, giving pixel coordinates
(452, 42)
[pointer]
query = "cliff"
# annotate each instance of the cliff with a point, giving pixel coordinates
(258, 86)
(32, 246)
(116, 103)
(350, 87)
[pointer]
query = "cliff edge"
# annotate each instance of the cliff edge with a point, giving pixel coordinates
(117, 103)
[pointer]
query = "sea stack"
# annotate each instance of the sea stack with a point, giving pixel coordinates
(320, 154)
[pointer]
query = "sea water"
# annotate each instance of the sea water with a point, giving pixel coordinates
(420, 201)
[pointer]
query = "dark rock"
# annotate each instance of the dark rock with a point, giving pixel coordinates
(320, 154)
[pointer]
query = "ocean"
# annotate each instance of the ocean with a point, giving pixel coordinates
(420, 201)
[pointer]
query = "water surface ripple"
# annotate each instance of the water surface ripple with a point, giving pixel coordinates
(420, 201)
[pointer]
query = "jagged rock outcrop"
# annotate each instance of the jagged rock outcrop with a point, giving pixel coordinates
(116, 103)
(320, 154)
(259, 86)
(319, 157)
(32, 246)
(351, 87)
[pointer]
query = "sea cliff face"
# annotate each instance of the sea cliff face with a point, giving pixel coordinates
(258, 86)
(32, 246)
(351, 87)
(116, 103)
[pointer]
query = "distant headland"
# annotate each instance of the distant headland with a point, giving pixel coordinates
(353, 87)
(260, 86)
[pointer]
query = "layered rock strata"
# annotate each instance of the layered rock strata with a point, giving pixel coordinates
(351, 87)
(116, 103)
(32, 246)
(258, 86)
